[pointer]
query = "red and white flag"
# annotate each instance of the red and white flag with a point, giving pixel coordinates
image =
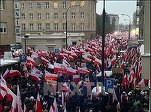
(76, 78)
(71, 71)
(30, 62)
(19, 103)
(50, 76)
(12, 73)
(25, 108)
(36, 72)
(38, 104)
(44, 60)
(54, 107)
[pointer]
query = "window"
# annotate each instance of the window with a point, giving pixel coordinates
(64, 4)
(64, 26)
(55, 26)
(72, 14)
(64, 15)
(55, 15)
(2, 4)
(73, 3)
(23, 15)
(82, 14)
(73, 26)
(51, 49)
(74, 43)
(23, 26)
(31, 26)
(38, 5)
(82, 26)
(47, 26)
(46, 4)
(82, 3)
(3, 28)
(31, 15)
(47, 15)
(30, 5)
(22, 5)
(39, 26)
(39, 15)
(55, 4)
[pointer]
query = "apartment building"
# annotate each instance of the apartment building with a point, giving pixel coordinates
(49, 16)
(7, 29)
(114, 19)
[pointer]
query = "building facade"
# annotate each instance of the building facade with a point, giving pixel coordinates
(7, 29)
(144, 26)
(46, 17)
(114, 19)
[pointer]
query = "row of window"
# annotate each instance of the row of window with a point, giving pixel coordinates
(3, 28)
(47, 15)
(47, 26)
(47, 4)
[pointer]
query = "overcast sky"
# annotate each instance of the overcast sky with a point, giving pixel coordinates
(118, 7)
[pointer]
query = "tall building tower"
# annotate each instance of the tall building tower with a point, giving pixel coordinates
(114, 19)
(7, 30)
(49, 16)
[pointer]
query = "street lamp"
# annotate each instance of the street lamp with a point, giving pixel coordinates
(103, 40)
(25, 37)
(129, 29)
(129, 23)
(67, 23)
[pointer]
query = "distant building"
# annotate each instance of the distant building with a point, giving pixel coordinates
(7, 23)
(49, 16)
(114, 19)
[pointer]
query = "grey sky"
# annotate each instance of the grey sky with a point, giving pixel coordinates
(118, 7)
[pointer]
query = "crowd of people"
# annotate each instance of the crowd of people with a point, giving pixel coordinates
(76, 94)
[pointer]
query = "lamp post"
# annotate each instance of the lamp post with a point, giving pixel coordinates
(25, 37)
(129, 24)
(67, 22)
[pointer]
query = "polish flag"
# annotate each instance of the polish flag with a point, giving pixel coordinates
(3, 92)
(87, 60)
(6, 72)
(19, 103)
(30, 62)
(143, 83)
(71, 71)
(36, 72)
(65, 63)
(54, 107)
(50, 76)
(83, 71)
(25, 108)
(25, 71)
(34, 55)
(10, 96)
(50, 66)
(12, 73)
(38, 104)
(74, 55)
(65, 87)
(97, 61)
(44, 60)
(57, 67)
(35, 78)
(76, 78)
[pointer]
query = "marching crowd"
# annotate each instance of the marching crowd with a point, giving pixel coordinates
(24, 90)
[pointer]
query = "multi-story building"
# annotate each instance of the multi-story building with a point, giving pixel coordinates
(7, 29)
(49, 16)
(114, 19)
(144, 21)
